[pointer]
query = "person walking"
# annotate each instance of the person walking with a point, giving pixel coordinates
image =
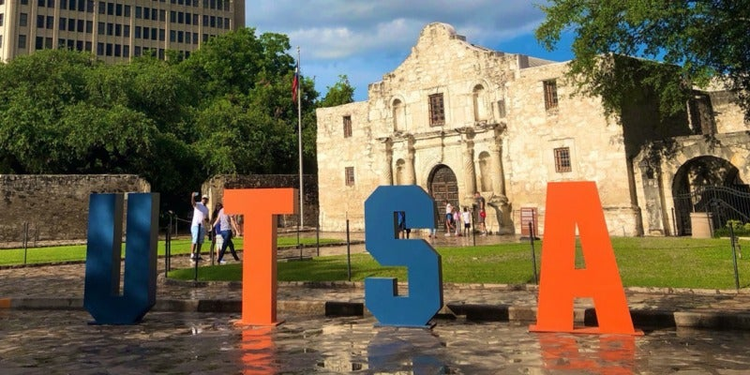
(226, 225)
(448, 218)
(199, 225)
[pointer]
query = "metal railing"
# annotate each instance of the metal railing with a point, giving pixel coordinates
(723, 202)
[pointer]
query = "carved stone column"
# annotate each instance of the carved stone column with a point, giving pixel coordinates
(386, 176)
(411, 173)
(470, 176)
(499, 199)
(496, 165)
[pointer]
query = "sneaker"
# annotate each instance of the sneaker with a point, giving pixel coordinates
(222, 262)
(447, 234)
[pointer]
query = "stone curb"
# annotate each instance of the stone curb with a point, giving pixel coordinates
(642, 318)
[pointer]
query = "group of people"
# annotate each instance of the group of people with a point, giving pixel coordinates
(454, 217)
(223, 225)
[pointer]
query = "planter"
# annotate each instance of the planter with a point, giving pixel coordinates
(701, 224)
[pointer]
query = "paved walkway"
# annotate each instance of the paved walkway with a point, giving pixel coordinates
(61, 287)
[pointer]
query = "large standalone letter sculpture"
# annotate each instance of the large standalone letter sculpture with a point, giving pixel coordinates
(424, 265)
(103, 254)
(570, 204)
(259, 282)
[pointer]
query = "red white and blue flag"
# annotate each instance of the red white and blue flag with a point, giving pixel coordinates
(295, 83)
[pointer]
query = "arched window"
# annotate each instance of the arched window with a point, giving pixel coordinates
(480, 110)
(485, 182)
(399, 118)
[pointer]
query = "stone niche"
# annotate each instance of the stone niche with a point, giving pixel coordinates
(55, 207)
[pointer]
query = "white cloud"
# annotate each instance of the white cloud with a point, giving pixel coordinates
(366, 39)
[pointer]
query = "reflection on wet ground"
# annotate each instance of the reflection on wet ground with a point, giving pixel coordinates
(62, 342)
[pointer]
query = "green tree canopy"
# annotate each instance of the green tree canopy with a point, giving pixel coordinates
(705, 39)
(342, 92)
(226, 109)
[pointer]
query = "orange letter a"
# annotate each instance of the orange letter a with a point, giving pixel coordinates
(570, 204)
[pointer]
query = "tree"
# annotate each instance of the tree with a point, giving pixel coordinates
(342, 92)
(704, 39)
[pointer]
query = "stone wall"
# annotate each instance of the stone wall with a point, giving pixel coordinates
(497, 138)
(215, 186)
(596, 144)
(55, 206)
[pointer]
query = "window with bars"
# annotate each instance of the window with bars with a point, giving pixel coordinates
(550, 94)
(349, 176)
(347, 126)
(562, 160)
(437, 110)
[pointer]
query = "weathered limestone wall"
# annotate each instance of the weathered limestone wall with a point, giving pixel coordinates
(596, 146)
(728, 116)
(215, 186)
(335, 153)
(655, 179)
(55, 206)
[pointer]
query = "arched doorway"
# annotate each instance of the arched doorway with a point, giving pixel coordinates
(709, 184)
(443, 187)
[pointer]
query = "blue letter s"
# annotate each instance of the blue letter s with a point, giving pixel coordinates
(425, 297)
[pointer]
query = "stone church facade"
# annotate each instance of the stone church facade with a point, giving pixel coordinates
(456, 118)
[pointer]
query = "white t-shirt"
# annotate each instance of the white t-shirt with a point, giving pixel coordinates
(200, 213)
(448, 209)
(224, 223)
(467, 217)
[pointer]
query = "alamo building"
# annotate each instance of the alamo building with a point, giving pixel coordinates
(455, 118)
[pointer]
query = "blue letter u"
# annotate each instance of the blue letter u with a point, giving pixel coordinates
(424, 265)
(101, 296)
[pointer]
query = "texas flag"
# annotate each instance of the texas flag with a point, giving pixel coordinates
(295, 83)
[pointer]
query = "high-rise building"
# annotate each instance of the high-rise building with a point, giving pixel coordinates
(115, 30)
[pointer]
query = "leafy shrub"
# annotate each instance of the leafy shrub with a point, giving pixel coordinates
(740, 229)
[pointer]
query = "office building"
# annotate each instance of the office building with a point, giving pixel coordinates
(115, 30)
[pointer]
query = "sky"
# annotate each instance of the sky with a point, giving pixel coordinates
(365, 40)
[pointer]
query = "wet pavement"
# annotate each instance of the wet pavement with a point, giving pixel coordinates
(488, 335)
(61, 342)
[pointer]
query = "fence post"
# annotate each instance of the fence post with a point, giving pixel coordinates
(197, 255)
(317, 235)
(25, 240)
(348, 253)
(734, 258)
(533, 251)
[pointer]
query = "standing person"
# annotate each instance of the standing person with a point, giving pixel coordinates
(199, 224)
(216, 231)
(226, 224)
(403, 231)
(466, 215)
(401, 223)
(448, 218)
(479, 199)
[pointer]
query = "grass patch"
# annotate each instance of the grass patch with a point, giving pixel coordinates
(646, 262)
(57, 254)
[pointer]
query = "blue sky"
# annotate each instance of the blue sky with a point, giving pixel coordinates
(367, 39)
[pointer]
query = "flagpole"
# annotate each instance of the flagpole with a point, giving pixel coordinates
(299, 142)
